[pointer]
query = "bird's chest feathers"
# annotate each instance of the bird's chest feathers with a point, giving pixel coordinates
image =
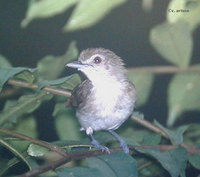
(106, 93)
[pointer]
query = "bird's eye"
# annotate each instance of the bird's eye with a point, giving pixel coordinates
(97, 60)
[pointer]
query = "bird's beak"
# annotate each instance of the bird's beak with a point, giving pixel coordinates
(75, 64)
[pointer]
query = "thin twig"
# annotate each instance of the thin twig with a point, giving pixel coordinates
(52, 90)
(84, 154)
(33, 140)
(65, 93)
(147, 69)
(8, 92)
(191, 149)
(165, 69)
(72, 156)
(149, 125)
(144, 165)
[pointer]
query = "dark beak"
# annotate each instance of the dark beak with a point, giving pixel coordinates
(75, 64)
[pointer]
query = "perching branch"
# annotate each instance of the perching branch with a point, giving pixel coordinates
(149, 125)
(34, 86)
(80, 155)
(65, 93)
(33, 140)
(146, 69)
(165, 69)
(85, 154)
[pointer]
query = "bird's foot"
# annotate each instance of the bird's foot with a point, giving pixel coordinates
(123, 143)
(97, 145)
(124, 146)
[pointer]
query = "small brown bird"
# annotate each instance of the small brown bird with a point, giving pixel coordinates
(106, 98)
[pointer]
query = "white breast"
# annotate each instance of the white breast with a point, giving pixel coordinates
(107, 93)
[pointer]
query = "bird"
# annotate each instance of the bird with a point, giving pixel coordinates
(106, 98)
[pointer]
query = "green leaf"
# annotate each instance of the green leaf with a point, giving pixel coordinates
(176, 136)
(36, 150)
(44, 83)
(193, 133)
(134, 136)
(26, 76)
(151, 139)
(195, 161)
(143, 83)
(14, 161)
(7, 73)
(173, 42)
(25, 104)
(191, 17)
(173, 161)
(50, 67)
(5, 166)
(67, 125)
(4, 63)
(14, 151)
(88, 13)
(46, 9)
(104, 137)
(73, 81)
(78, 172)
(114, 164)
(180, 157)
(26, 126)
(183, 95)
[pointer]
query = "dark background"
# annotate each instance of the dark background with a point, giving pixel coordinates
(125, 31)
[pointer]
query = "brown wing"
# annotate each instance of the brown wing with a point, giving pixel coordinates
(80, 94)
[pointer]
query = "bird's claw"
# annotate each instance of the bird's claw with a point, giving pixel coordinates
(124, 147)
(101, 147)
(123, 143)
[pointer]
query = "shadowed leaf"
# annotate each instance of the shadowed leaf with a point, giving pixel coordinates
(26, 76)
(50, 67)
(73, 81)
(183, 95)
(195, 161)
(67, 125)
(59, 81)
(114, 164)
(25, 104)
(4, 63)
(26, 126)
(151, 139)
(4, 166)
(173, 42)
(15, 151)
(88, 13)
(45, 9)
(143, 83)
(78, 172)
(176, 136)
(173, 161)
(7, 73)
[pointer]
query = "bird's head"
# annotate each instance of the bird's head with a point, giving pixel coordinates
(99, 62)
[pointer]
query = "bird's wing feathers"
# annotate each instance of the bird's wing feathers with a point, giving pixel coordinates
(80, 93)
